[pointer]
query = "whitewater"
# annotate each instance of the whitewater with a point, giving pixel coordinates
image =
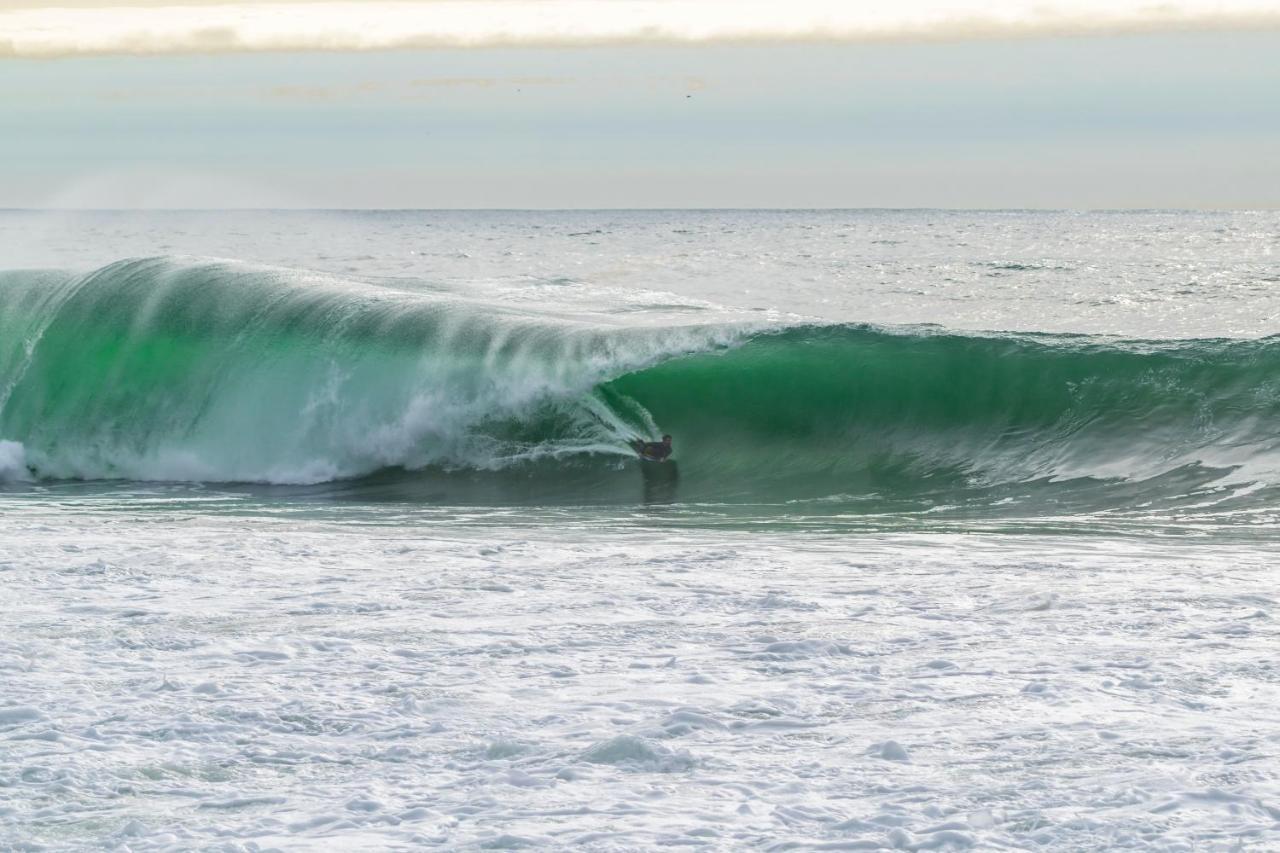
(321, 530)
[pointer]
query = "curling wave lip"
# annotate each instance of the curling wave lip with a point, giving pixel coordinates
(161, 369)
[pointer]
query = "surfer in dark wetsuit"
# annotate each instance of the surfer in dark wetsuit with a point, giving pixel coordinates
(653, 451)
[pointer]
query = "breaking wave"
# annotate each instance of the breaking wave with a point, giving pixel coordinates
(158, 369)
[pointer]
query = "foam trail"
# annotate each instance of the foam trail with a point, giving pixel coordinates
(30, 31)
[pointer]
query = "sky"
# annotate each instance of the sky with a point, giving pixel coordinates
(640, 103)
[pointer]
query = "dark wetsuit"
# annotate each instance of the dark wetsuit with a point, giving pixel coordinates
(653, 450)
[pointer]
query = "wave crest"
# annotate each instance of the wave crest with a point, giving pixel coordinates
(157, 369)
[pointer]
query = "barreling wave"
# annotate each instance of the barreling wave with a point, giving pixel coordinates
(153, 369)
(164, 370)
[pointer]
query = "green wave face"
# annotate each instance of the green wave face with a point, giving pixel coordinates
(848, 410)
(158, 370)
(153, 370)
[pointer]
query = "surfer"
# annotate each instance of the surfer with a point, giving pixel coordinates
(653, 451)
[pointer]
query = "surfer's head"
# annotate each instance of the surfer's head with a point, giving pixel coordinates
(666, 439)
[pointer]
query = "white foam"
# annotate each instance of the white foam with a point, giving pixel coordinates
(311, 684)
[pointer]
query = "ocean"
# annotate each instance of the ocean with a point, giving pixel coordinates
(321, 530)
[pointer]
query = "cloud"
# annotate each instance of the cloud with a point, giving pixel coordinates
(141, 27)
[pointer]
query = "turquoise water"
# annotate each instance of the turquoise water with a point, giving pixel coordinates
(499, 384)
